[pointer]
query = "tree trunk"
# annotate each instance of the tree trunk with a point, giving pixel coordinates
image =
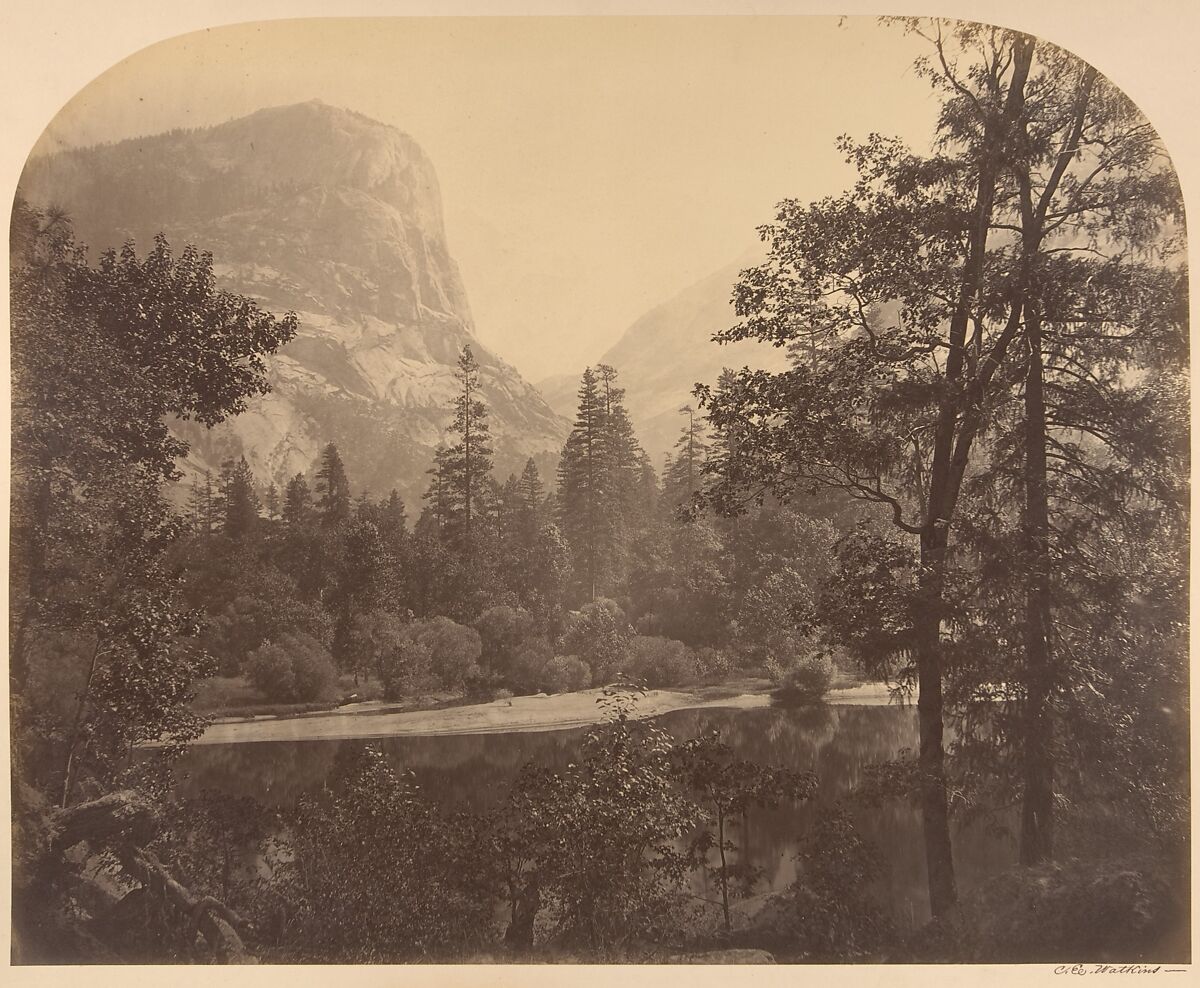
(519, 935)
(1037, 808)
(123, 815)
(724, 869)
(943, 497)
(931, 763)
(73, 738)
(1037, 761)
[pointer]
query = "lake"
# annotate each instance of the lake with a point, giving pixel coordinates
(472, 771)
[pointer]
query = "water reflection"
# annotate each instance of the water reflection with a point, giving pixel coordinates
(472, 771)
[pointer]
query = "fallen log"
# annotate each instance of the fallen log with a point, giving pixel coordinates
(210, 917)
(123, 821)
(119, 816)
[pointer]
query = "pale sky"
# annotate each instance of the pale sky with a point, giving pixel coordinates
(590, 168)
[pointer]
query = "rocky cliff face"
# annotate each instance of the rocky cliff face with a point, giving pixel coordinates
(337, 217)
(666, 352)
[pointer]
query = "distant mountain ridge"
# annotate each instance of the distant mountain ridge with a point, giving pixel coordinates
(662, 356)
(337, 217)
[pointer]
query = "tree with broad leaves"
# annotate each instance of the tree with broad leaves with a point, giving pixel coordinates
(898, 305)
(915, 309)
(1094, 438)
(727, 788)
(102, 357)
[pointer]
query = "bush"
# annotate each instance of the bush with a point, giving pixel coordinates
(454, 650)
(1115, 910)
(294, 669)
(566, 674)
(834, 911)
(503, 632)
(529, 665)
(403, 668)
(661, 662)
(793, 667)
(249, 620)
(600, 840)
(714, 663)
(377, 874)
(599, 634)
(269, 669)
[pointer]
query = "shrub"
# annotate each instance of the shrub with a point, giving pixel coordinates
(566, 674)
(599, 839)
(599, 634)
(661, 662)
(835, 913)
(371, 639)
(241, 626)
(247, 621)
(531, 660)
(503, 632)
(403, 668)
(714, 663)
(269, 669)
(792, 666)
(296, 668)
(1112, 910)
(377, 874)
(454, 649)
(313, 672)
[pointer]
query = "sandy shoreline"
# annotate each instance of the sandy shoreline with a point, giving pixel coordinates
(520, 713)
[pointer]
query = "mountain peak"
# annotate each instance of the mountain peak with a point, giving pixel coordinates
(328, 213)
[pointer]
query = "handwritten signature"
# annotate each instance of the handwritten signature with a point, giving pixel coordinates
(1117, 969)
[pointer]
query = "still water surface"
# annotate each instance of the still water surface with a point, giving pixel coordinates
(472, 772)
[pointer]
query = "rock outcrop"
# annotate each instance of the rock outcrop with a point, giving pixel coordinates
(337, 217)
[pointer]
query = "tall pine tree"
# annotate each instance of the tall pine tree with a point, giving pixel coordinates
(580, 469)
(297, 504)
(333, 489)
(239, 500)
(467, 464)
(682, 479)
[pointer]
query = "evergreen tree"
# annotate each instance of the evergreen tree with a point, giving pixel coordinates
(466, 466)
(393, 518)
(202, 505)
(622, 453)
(625, 515)
(333, 489)
(600, 479)
(239, 500)
(531, 497)
(365, 509)
(579, 485)
(682, 479)
(434, 516)
(297, 504)
(507, 506)
(271, 501)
